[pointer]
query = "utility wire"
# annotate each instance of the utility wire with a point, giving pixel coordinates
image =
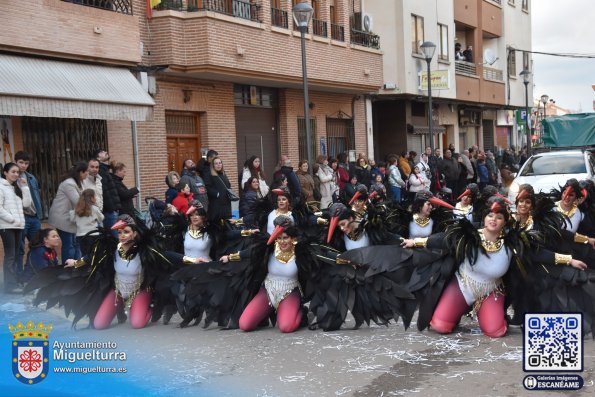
(558, 54)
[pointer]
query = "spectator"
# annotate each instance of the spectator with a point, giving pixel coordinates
(328, 186)
(450, 168)
(249, 202)
(395, 180)
(425, 167)
(33, 213)
(374, 170)
(459, 53)
(469, 171)
(204, 166)
(198, 185)
(42, 252)
(217, 189)
(126, 195)
(171, 180)
(411, 159)
(363, 172)
(351, 188)
(482, 170)
(67, 198)
(342, 171)
(404, 166)
(252, 167)
(111, 199)
(492, 169)
(93, 181)
(468, 53)
(306, 181)
(14, 196)
(183, 198)
(378, 186)
(293, 182)
(86, 217)
(417, 182)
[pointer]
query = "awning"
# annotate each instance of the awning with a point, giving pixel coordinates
(46, 88)
(420, 130)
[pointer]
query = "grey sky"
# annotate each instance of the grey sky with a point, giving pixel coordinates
(564, 27)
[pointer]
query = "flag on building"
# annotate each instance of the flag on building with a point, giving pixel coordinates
(150, 5)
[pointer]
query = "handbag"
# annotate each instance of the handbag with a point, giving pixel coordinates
(230, 194)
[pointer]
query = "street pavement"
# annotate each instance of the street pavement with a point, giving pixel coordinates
(164, 360)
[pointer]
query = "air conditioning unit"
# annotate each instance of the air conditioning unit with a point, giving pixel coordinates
(367, 22)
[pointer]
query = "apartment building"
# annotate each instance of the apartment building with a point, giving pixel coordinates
(474, 99)
(67, 87)
(229, 77)
(158, 87)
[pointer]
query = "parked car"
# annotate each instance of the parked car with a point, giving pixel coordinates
(550, 170)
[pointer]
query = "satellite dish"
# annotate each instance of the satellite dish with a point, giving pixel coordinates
(489, 57)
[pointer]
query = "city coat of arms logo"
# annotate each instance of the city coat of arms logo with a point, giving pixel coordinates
(30, 351)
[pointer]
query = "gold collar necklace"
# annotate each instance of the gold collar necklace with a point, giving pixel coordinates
(568, 213)
(527, 224)
(195, 234)
(420, 220)
(491, 246)
(123, 253)
(284, 256)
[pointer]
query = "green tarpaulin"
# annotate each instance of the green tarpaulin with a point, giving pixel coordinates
(571, 130)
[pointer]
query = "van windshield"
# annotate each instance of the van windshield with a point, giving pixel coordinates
(548, 165)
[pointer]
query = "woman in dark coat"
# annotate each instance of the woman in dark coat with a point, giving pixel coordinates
(126, 195)
(217, 185)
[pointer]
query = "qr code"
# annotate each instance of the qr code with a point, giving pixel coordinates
(553, 342)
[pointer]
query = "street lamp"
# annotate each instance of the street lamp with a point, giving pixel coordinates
(428, 48)
(526, 76)
(302, 13)
(544, 99)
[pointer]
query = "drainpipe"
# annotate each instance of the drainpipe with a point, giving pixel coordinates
(136, 163)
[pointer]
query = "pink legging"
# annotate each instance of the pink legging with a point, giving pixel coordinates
(289, 314)
(140, 312)
(452, 306)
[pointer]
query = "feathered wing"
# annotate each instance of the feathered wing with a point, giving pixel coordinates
(80, 291)
(220, 290)
(371, 287)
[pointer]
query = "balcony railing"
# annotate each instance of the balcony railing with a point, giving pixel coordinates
(319, 27)
(121, 6)
(365, 39)
(337, 32)
(279, 18)
(493, 74)
(170, 5)
(464, 67)
(237, 8)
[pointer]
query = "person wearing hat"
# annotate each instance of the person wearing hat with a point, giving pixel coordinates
(465, 202)
(284, 207)
(425, 220)
(484, 257)
(125, 276)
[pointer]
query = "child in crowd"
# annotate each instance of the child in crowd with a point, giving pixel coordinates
(86, 215)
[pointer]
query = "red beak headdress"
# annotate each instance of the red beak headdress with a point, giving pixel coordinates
(507, 201)
(439, 202)
(523, 194)
(466, 193)
(373, 194)
(335, 211)
(496, 207)
(282, 222)
(123, 221)
(585, 194)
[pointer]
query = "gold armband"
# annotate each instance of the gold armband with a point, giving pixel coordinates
(240, 221)
(78, 263)
(234, 256)
(561, 259)
(188, 260)
(321, 221)
(246, 233)
(420, 242)
(318, 213)
(341, 261)
(581, 239)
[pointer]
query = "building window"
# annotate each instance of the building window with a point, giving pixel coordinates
(250, 95)
(512, 63)
(339, 136)
(418, 109)
(525, 5)
(443, 45)
(417, 33)
(526, 60)
(302, 138)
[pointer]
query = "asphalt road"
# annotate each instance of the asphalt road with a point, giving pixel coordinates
(164, 360)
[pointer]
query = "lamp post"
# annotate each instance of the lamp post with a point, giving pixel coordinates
(544, 99)
(428, 49)
(526, 76)
(302, 13)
